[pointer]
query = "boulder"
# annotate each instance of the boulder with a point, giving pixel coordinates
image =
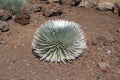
(117, 7)
(88, 3)
(105, 6)
(49, 1)
(4, 26)
(51, 9)
(22, 18)
(54, 1)
(5, 15)
(70, 2)
(67, 2)
(75, 2)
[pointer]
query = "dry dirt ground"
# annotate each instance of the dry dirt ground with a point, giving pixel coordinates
(18, 63)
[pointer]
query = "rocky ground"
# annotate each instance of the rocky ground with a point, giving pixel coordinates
(101, 60)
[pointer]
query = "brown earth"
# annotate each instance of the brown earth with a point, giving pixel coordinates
(18, 63)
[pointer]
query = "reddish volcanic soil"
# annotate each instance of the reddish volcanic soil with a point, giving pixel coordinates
(18, 63)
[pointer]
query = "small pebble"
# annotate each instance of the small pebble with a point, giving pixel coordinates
(3, 42)
(118, 30)
(118, 71)
(8, 67)
(99, 48)
(15, 47)
(117, 59)
(109, 51)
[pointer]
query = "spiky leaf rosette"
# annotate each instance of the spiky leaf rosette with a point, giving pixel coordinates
(12, 5)
(58, 41)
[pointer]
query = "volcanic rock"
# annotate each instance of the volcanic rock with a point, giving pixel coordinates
(4, 27)
(52, 9)
(22, 18)
(105, 6)
(5, 15)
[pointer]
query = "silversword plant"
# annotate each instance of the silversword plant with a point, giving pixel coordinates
(12, 5)
(59, 41)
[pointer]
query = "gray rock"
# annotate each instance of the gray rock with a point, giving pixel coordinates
(54, 1)
(49, 1)
(36, 9)
(70, 2)
(5, 15)
(88, 3)
(104, 38)
(4, 27)
(103, 65)
(3, 42)
(75, 2)
(117, 7)
(105, 6)
(67, 2)
(1, 26)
